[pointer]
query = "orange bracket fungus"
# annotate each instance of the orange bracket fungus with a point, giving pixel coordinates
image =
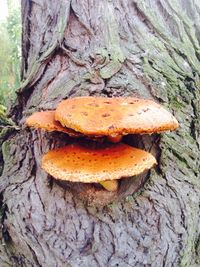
(76, 163)
(46, 120)
(113, 117)
(101, 118)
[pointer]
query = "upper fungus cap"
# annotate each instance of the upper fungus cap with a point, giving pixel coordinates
(99, 116)
(46, 120)
(80, 164)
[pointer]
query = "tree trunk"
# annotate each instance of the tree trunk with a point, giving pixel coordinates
(143, 48)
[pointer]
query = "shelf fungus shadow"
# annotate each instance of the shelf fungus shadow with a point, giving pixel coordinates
(98, 167)
(93, 194)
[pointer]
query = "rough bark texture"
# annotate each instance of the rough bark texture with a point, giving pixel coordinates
(146, 48)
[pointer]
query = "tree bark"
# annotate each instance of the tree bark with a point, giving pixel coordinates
(143, 48)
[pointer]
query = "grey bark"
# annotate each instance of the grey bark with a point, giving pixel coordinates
(139, 48)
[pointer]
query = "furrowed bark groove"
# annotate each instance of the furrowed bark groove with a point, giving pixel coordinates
(144, 48)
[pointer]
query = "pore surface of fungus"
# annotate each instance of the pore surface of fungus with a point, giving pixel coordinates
(46, 120)
(99, 116)
(80, 164)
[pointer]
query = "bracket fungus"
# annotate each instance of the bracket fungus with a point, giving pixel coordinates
(46, 120)
(113, 117)
(77, 163)
(101, 118)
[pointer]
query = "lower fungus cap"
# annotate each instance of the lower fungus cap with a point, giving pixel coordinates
(80, 164)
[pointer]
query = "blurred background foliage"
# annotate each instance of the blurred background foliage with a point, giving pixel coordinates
(10, 51)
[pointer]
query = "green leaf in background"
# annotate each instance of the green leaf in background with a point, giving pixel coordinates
(10, 52)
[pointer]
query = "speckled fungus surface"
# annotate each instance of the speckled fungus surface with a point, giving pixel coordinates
(80, 164)
(46, 120)
(99, 116)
